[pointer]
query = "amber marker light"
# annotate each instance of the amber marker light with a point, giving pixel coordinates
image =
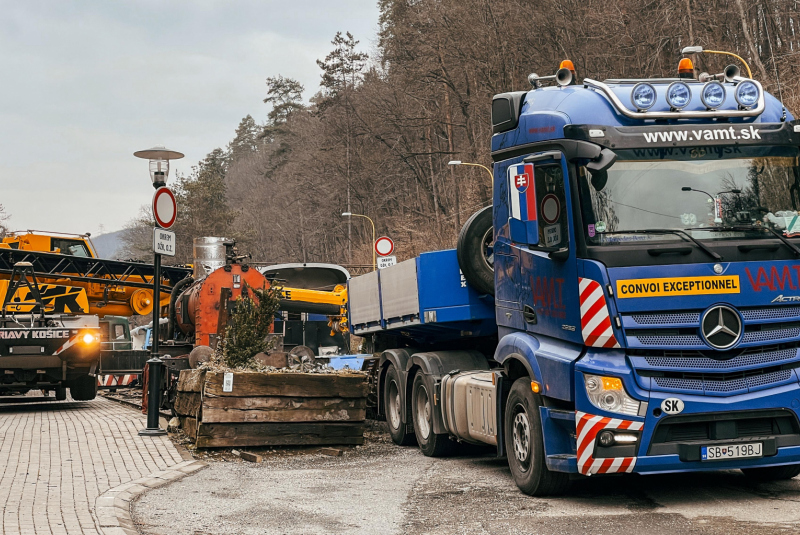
(612, 383)
(88, 338)
(535, 387)
(567, 64)
(685, 68)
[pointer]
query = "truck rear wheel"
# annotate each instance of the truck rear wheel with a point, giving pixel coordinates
(83, 388)
(772, 473)
(475, 251)
(393, 404)
(525, 444)
(431, 444)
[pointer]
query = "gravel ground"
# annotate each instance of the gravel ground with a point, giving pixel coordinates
(380, 488)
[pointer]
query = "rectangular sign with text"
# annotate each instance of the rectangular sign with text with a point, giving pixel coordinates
(163, 242)
(678, 286)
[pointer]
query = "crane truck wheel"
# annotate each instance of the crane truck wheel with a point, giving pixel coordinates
(525, 444)
(393, 404)
(83, 388)
(772, 473)
(431, 444)
(475, 251)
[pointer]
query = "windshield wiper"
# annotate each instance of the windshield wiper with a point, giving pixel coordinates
(677, 232)
(781, 237)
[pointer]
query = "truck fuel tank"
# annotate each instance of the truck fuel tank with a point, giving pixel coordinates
(469, 406)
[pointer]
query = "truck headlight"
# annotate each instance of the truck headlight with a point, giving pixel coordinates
(608, 394)
(89, 338)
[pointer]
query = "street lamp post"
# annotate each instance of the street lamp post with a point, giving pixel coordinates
(459, 162)
(374, 258)
(159, 172)
(717, 201)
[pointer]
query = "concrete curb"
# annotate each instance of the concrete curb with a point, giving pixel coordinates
(112, 509)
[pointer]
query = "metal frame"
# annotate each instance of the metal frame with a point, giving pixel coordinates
(95, 270)
(702, 114)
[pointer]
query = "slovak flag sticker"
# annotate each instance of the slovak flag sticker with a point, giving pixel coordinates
(523, 195)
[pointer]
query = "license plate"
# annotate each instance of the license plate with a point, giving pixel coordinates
(730, 451)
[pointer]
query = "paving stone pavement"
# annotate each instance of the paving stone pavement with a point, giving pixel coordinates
(56, 458)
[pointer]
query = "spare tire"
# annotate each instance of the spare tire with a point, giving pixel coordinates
(475, 251)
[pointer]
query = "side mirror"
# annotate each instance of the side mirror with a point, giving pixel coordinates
(560, 255)
(605, 160)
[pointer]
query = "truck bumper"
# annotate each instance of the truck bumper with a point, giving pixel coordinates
(769, 417)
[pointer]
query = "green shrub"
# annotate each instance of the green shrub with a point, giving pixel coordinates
(250, 323)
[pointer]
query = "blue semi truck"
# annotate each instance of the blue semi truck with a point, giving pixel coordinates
(629, 303)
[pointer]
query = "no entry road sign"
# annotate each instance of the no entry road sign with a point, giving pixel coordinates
(165, 209)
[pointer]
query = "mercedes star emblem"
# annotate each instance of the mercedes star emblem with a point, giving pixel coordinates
(721, 327)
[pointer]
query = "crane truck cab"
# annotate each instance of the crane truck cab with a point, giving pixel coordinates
(645, 297)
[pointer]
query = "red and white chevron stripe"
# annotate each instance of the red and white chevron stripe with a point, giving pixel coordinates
(115, 380)
(595, 321)
(587, 427)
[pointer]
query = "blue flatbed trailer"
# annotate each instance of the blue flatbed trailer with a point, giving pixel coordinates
(645, 312)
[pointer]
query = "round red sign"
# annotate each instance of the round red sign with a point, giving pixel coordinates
(165, 209)
(384, 246)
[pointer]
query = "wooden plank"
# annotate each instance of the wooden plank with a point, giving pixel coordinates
(252, 457)
(282, 403)
(283, 409)
(188, 403)
(214, 442)
(289, 384)
(289, 415)
(278, 434)
(190, 427)
(191, 380)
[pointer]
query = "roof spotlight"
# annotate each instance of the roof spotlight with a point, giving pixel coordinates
(678, 95)
(747, 94)
(643, 96)
(713, 95)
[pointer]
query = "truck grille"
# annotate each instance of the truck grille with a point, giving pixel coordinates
(715, 373)
(681, 329)
(734, 425)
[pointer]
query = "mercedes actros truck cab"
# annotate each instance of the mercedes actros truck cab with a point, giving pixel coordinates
(630, 302)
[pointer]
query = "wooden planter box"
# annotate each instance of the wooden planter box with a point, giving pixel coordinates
(272, 409)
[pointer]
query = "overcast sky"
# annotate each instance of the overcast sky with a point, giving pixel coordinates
(87, 83)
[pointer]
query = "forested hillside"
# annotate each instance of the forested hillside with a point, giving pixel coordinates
(378, 134)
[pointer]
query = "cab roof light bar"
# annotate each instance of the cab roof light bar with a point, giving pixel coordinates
(692, 114)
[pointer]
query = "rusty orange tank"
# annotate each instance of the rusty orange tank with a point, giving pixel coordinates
(199, 310)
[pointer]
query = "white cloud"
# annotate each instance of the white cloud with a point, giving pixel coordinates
(88, 83)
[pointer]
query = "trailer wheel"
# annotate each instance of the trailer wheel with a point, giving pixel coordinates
(393, 403)
(525, 444)
(431, 444)
(475, 251)
(61, 393)
(772, 473)
(83, 388)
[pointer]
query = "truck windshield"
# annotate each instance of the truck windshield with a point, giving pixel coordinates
(711, 193)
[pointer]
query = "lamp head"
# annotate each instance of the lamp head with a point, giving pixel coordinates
(347, 214)
(454, 162)
(686, 188)
(159, 157)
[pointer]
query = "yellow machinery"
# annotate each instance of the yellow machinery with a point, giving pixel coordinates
(121, 287)
(331, 303)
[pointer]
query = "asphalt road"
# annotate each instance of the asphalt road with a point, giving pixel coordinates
(381, 488)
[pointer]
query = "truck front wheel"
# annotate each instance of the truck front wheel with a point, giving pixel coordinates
(393, 404)
(525, 444)
(772, 473)
(431, 444)
(83, 388)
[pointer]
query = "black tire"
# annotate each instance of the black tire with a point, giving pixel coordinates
(392, 403)
(525, 444)
(83, 388)
(422, 407)
(772, 473)
(475, 251)
(61, 393)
